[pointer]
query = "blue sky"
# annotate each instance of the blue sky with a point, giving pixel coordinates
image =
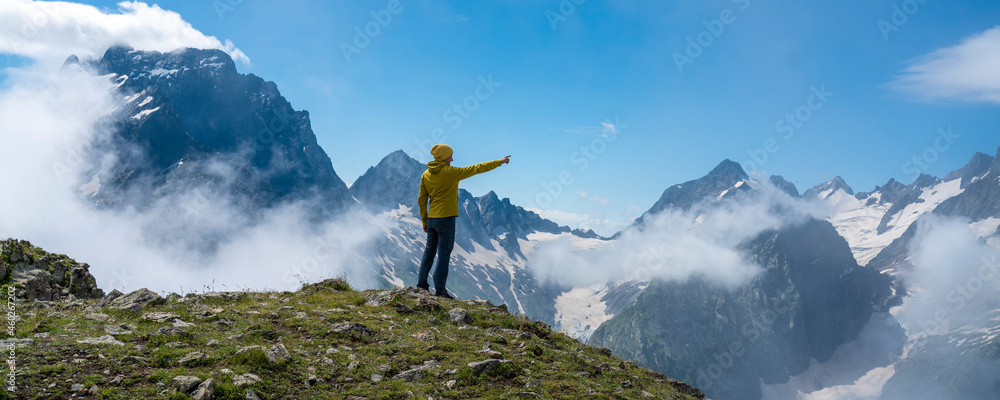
(565, 73)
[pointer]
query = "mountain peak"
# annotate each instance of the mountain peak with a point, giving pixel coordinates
(491, 196)
(399, 159)
(394, 181)
(828, 188)
(70, 61)
(890, 192)
(996, 161)
(728, 168)
(725, 179)
(398, 154)
(785, 186)
(977, 166)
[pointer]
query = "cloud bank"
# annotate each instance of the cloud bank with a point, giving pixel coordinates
(968, 71)
(676, 245)
(51, 31)
(954, 277)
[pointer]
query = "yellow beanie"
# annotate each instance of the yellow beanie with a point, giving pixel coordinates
(441, 151)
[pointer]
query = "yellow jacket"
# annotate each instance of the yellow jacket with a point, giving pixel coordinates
(439, 184)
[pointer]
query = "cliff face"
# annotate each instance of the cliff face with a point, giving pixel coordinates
(812, 297)
(189, 120)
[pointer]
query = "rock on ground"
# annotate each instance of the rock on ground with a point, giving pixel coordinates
(186, 384)
(137, 300)
(459, 316)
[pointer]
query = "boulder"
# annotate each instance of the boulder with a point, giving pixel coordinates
(192, 358)
(346, 328)
(486, 365)
(459, 316)
(106, 300)
(137, 300)
(380, 298)
(246, 380)
(278, 354)
(185, 384)
(416, 373)
(205, 390)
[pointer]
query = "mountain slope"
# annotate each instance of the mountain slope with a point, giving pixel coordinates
(811, 299)
(871, 221)
(190, 120)
(965, 352)
(724, 180)
(323, 340)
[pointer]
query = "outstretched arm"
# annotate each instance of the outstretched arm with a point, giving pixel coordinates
(465, 172)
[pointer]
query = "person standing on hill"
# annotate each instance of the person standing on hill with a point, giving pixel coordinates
(439, 188)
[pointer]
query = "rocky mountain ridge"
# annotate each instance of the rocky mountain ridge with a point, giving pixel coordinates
(33, 273)
(324, 340)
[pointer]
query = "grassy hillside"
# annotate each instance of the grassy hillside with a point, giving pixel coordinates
(323, 341)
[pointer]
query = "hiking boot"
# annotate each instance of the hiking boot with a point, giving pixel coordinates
(444, 295)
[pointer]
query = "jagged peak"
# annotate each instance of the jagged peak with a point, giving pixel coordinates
(891, 185)
(399, 154)
(786, 186)
(491, 194)
(832, 185)
(123, 57)
(71, 60)
(399, 157)
(925, 180)
(729, 168)
(978, 165)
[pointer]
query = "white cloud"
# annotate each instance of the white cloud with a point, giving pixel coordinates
(953, 278)
(609, 128)
(676, 245)
(51, 31)
(969, 71)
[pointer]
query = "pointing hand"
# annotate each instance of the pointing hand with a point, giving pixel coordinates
(506, 160)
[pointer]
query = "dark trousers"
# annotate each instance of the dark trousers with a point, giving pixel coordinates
(440, 239)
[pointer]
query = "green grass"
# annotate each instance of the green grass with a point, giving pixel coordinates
(550, 364)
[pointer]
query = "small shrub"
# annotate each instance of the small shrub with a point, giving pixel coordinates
(507, 370)
(255, 359)
(178, 396)
(160, 376)
(225, 389)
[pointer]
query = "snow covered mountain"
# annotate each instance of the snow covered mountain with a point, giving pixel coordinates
(580, 311)
(879, 220)
(952, 350)
(870, 221)
(811, 298)
(878, 227)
